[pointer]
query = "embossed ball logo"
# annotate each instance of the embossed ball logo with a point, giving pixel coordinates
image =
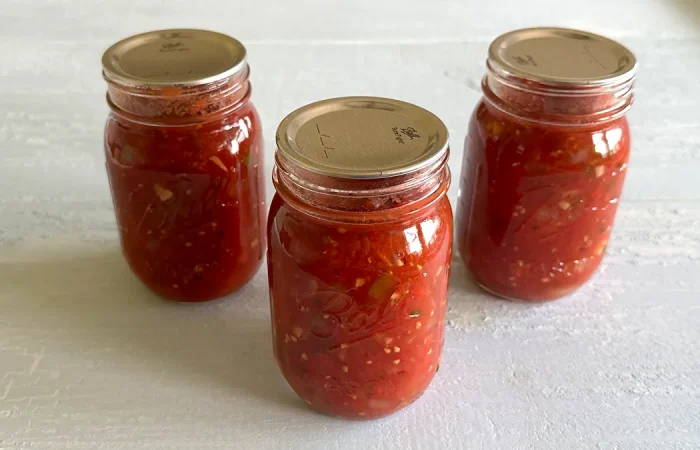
(340, 312)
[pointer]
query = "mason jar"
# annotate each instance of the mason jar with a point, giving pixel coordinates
(545, 161)
(360, 241)
(183, 149)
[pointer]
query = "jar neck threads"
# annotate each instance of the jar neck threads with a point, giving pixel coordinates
(173, 105)
(366, 200)
(570, 104)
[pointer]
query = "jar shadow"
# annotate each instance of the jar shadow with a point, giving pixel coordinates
(88, 302)
(461, 279)
(470, 306)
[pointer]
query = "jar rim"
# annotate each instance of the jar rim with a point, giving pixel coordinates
(288, 189)
(180, 105)
(620, 101)
(186, 120)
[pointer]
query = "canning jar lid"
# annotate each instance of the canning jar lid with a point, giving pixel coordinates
(176, 57)
(361, 137)
(563, 57)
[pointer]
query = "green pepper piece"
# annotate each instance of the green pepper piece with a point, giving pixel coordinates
(126, 155)
(383, 287)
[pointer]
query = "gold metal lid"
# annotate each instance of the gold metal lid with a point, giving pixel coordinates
(562, 56)
(180, 57)
(362, 137)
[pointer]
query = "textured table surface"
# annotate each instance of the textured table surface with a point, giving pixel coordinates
(89, 359)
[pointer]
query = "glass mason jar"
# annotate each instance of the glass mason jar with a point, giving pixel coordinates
(360, 241)
(183, 148)
(544, 162)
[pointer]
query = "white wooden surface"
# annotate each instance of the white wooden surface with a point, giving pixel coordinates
(89, 359)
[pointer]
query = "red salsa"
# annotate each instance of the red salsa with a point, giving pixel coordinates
(358, 283)
(538, 202)
(541, 179)
(186, 174)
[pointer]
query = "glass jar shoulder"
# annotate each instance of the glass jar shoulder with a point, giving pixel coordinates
(536, 147)
(200, 147)
(398, 247)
